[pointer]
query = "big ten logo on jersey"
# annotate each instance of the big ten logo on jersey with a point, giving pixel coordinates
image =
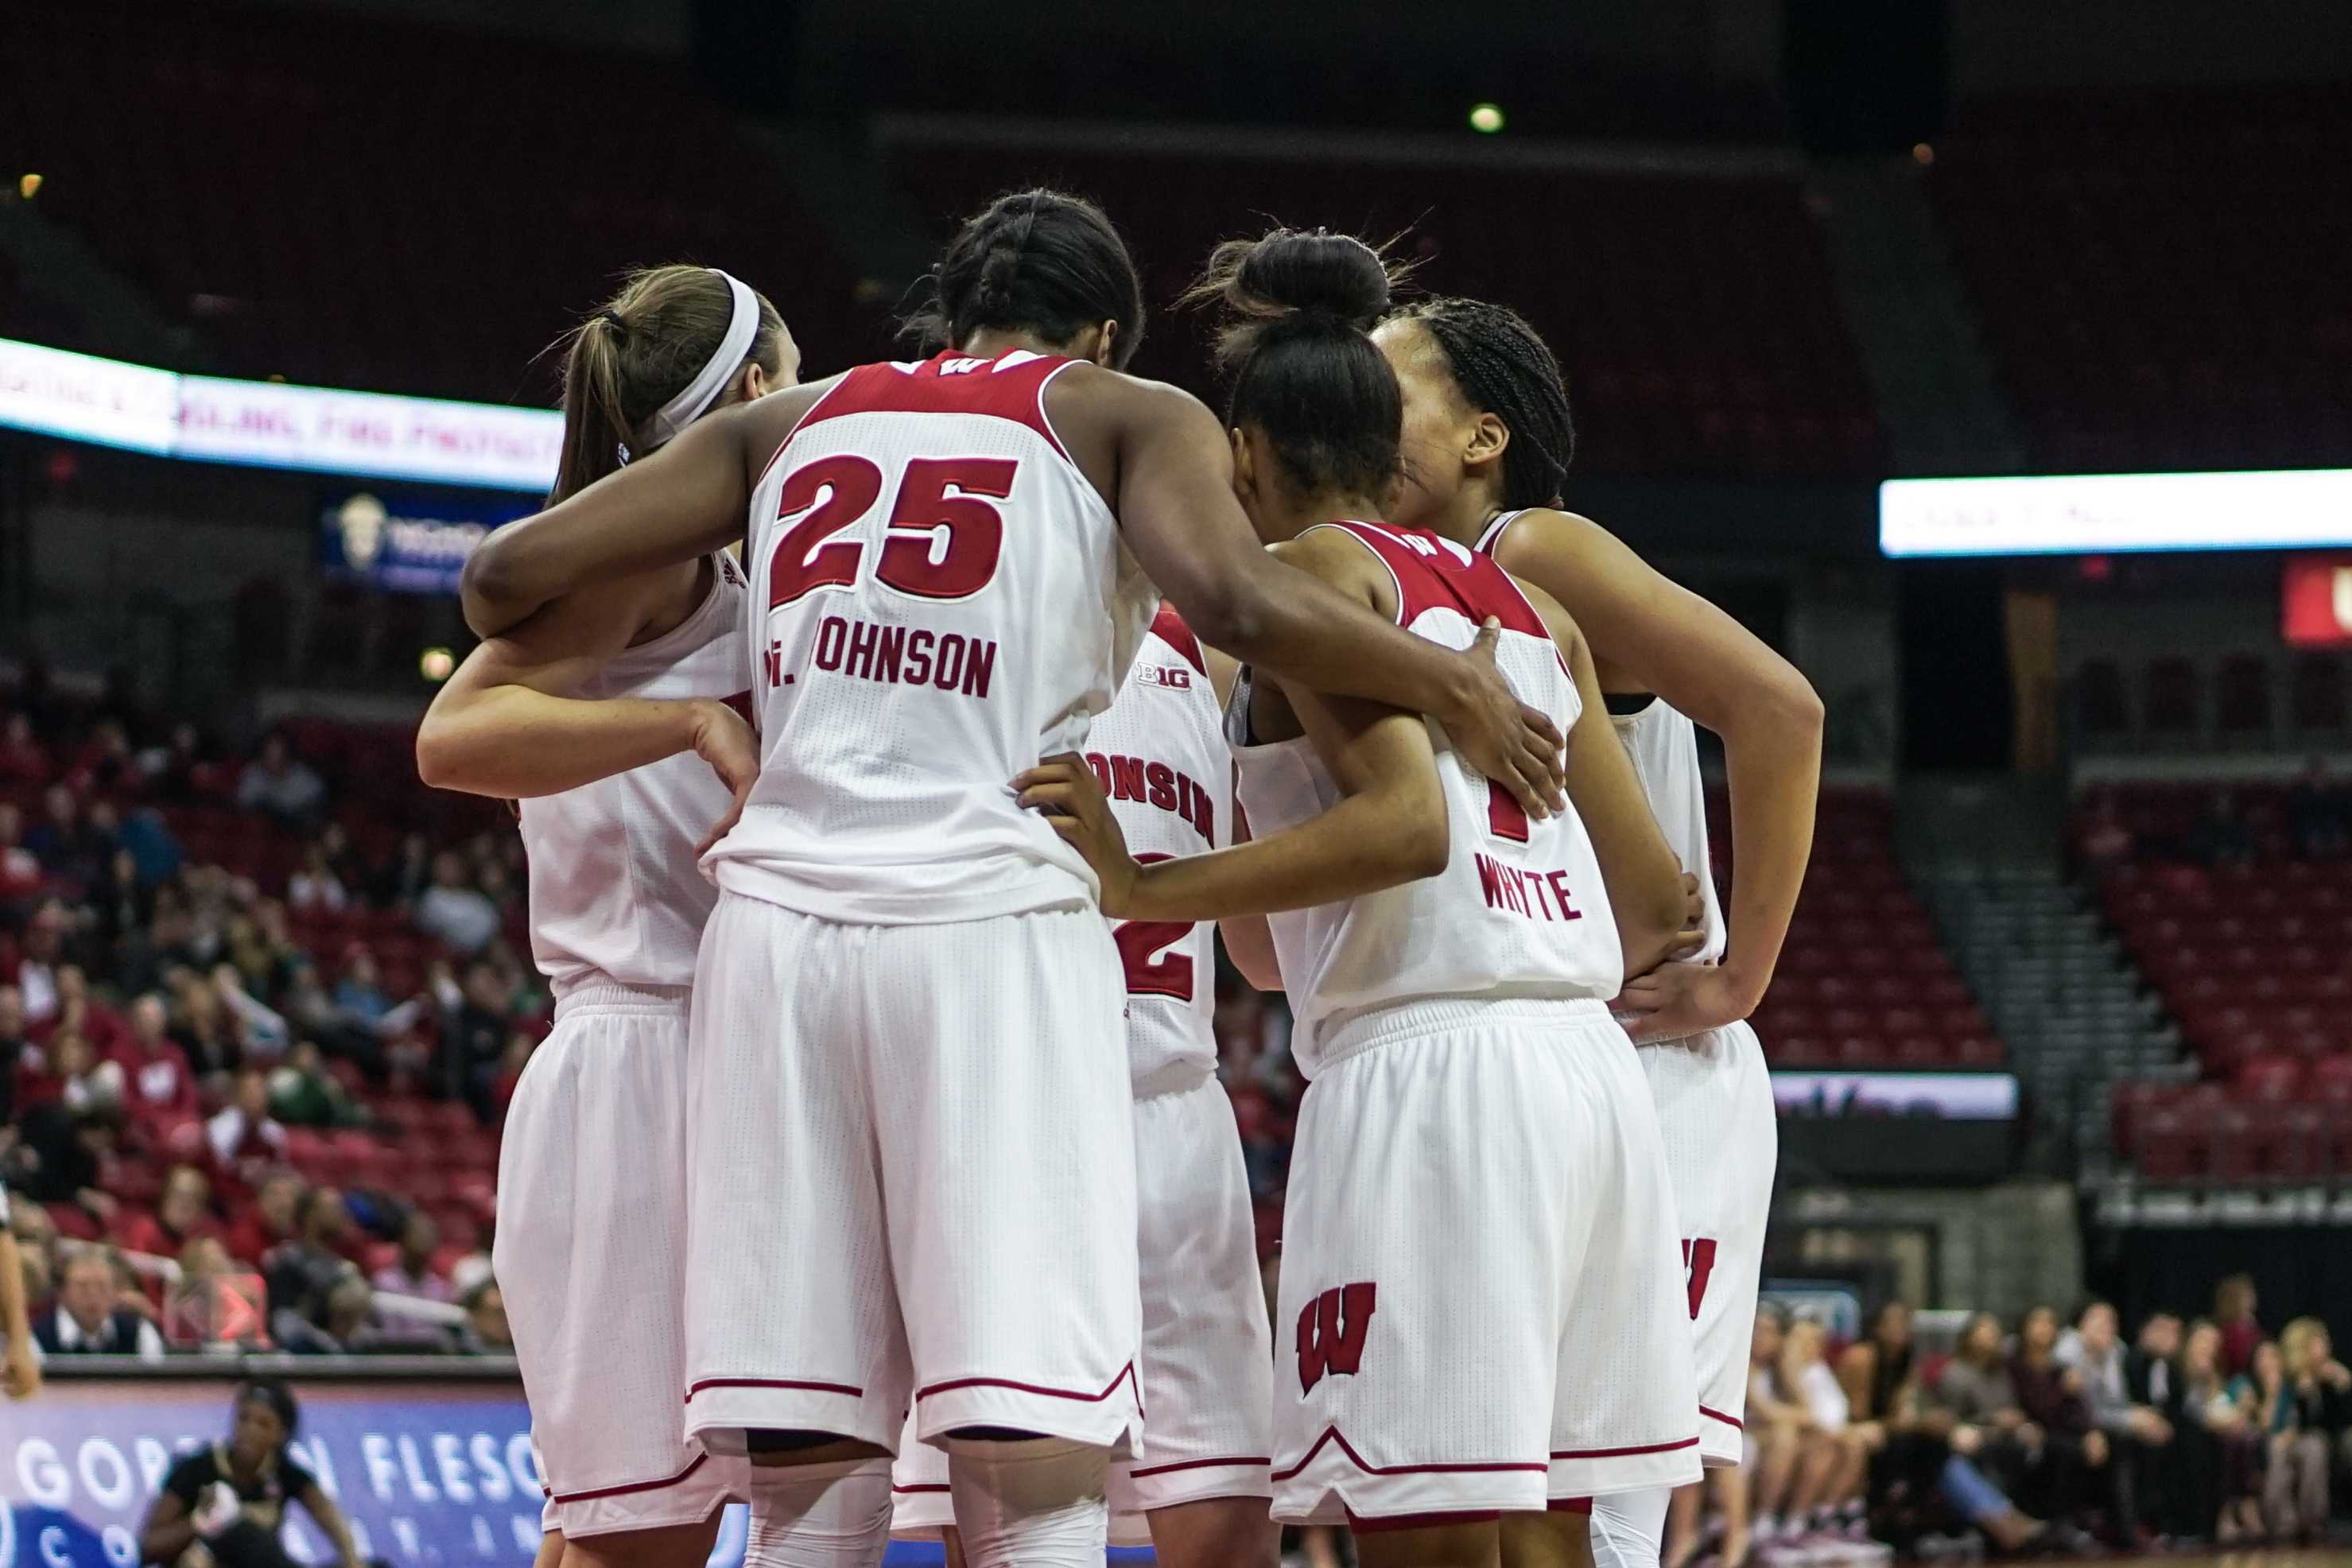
(1170, 677)
(941, 540)
(1698, 1262)
(1331, 1330)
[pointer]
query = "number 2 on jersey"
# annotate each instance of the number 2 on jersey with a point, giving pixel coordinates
(942, 540)
(1137, 941)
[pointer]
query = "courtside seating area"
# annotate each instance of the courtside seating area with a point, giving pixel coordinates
(337, 200)
(2158, 274)
(2248, 957)
(1681, 354)
(1863, 980)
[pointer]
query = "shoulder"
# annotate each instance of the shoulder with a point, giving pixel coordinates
(192, 1471)
(1546, 531)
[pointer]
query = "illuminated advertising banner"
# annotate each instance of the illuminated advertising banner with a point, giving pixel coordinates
(2097, 513)
(263, 424)
(408, 544)
(2316, 601)
(1943, 1096)
(1949, 1127)
(431, 1475)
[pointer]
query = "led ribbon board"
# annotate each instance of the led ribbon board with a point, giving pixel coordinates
(2075, 514)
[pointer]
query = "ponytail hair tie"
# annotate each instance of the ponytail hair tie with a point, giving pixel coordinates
(612, 318)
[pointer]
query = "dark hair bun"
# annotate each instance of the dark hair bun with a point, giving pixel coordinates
(1293, 280)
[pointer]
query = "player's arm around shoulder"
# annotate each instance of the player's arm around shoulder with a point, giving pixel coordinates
(686, 499)
(511, 722)
(1644, 878)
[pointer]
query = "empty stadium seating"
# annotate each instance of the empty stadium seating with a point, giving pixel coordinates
(1680, 356)
(344, 201)
(2156, 274)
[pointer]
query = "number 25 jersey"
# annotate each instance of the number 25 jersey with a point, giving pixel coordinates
(939, 598)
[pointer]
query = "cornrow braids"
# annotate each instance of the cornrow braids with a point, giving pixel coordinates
(1505, 369)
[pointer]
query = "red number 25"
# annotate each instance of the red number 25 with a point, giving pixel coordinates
(941, 542)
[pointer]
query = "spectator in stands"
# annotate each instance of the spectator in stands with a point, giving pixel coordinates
(59, 1157)
(59, 840)
(2322, 1387)
(404, 879)
(303, 1093)
(2235, 1303)
(2136, 1431)
(339, 1320)
(273, 1219)
(2050, 1394)
(314, 1013)
(20, 868)
(89, 1318)
(474, 1039)
(244, 1138)
(1830, 1510)
(2216, 1457)
(159, 1091)
(37, 967)
(121, 906)
(15, 1046)
(315, 888)
(183, 1213)
(454, 911)
(2318, 812)
(76, 1078)
(224, 1505)
(201, 1027)
(84, 1014)
(281, 785)
(177, 771)
(153, 850)
(2294, 1462)
(1976, 1390)
(413, 1272)
(23, 759)
(485, 1331)
(302, 1271)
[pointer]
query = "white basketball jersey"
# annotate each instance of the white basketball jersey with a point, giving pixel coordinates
(615, 892)
(1664, 744)
(941, 598)
(1519, 910)
(1161, 756)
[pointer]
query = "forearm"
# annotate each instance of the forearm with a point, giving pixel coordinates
(512, 742)
(165, 1543)
(1361, 846)
(13, 1321)
(1308, 634)
(1773, 760)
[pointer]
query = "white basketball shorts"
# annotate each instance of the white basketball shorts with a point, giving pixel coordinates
(591, 1256)
(911, 1177)
(1207, 1368)
(1481, 1305)
(1714, 1097)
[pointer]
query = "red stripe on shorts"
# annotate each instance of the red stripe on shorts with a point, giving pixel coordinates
(1569, 1505)
(1732, 1421)
(852, 1391)
(1125, 1375)
(1623, 1453)
(1198, 1465)
(921, 1486)
(1333, 1435)
(631, 1487)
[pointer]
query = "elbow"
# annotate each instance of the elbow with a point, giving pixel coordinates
(440, 754)
(1424, 847)
(1795, 708)
(487, 588)
(1226, 614)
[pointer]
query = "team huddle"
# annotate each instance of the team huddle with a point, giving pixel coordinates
(854, 865)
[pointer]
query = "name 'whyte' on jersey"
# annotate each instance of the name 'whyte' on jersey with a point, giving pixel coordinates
(1519, 911)
(939, 598)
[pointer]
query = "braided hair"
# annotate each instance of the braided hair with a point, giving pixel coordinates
(1038, 260)
(1506, 370)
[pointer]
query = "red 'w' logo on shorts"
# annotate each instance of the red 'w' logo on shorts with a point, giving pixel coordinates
(1331, 1332)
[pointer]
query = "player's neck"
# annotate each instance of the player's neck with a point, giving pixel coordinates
(1467, 517)
(1294, 518)
(994, 342)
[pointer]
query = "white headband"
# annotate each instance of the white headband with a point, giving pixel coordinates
(697, 395)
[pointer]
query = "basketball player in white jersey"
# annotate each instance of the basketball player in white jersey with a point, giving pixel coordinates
(1197, 1491)
(1480, 1266)
(1487, 442)
(606, 717)
(912, 1171)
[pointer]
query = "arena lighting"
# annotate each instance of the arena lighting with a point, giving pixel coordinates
(2099, 513)
(1485, 119)
(436, 665)
(28, 186)
(270, 425)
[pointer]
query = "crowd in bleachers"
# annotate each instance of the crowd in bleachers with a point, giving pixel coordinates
(259, 1016)
(2042, 1436)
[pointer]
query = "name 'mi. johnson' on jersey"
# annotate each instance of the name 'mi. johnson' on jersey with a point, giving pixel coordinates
(1519, 911)
(940, 597)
